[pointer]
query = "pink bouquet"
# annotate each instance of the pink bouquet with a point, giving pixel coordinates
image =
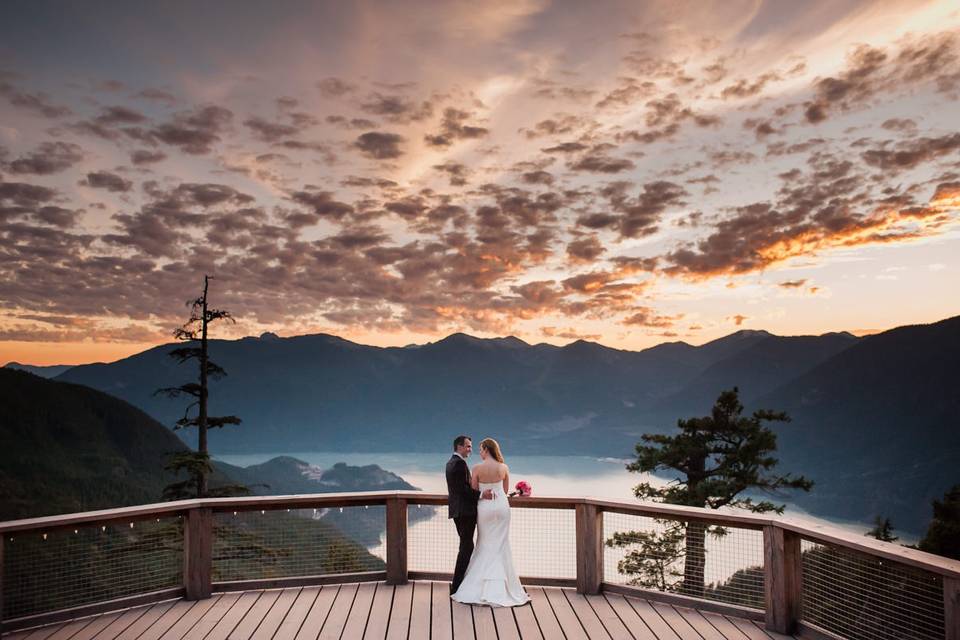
(522, 489)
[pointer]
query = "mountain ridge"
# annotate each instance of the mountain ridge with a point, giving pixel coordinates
(315, 392)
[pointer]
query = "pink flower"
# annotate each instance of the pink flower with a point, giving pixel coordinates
(522, 489)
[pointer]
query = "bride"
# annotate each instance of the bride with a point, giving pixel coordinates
(491, 578)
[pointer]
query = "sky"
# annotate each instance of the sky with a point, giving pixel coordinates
(628, 173)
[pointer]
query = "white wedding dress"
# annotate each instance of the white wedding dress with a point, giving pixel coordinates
(491, 578)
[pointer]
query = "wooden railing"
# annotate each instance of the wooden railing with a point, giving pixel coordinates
(782, 565)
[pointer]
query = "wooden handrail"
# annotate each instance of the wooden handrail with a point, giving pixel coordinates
(939, 565)
(782, 540)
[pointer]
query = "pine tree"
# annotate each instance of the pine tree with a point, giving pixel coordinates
(882, 530)
(718, 457)
(943, 534)
(197, 464)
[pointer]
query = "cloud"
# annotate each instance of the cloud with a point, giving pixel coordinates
(158, 95)
(48, 158)
(639, 216)
(144, 156)
(792, 284)
(206, 195)
(872, 70)
(585, 250)
(267, 131)
(365, 181)
(38, 103)
(745, 88)
(911, 153)
(906, 125)
(320, 205)
(551, 90)
(350, 123)
(396, 108)
(566, 147)
(379, 145)
(560, 124)
(106, 180)
(194, 132)
(600, 163)
(630, 91)
(25, 195)
(538, 177)
(647, 317)
(816, 213)
(738, 319)
(568, 333)
(112, 123)
(457, 172)
(452, 128)
(335, 87)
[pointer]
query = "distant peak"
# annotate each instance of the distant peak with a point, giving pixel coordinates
(745, 333)
(455, 338)
(269, 335)
(511, 341)
(582, 344)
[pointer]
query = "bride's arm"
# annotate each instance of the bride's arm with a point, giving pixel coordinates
(506, 479)
(474, 482)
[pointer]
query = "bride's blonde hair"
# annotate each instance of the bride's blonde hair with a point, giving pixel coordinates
(492, 448)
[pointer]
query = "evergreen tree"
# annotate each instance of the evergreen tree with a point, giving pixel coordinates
(943, 534)
(882, 530)
(196, 464)
(718, 457)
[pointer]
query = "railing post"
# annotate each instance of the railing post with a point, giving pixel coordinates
(198, 553)
(1, 585)
(396, 541)
(589, 548)
(951, 608)
(781, 578)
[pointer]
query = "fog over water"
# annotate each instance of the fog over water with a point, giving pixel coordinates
(542, 541)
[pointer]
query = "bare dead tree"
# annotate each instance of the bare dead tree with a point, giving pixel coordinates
(197, 463)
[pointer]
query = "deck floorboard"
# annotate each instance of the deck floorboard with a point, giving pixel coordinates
(416, 610)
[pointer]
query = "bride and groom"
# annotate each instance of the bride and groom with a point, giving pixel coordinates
(478, 501)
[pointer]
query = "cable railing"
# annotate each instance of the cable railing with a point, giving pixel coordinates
(812, 581)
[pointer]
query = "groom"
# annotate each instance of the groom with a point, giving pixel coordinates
(462, 504)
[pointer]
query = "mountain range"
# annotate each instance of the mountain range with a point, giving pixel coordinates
(50, 371)
(66, 448)
(873, 418)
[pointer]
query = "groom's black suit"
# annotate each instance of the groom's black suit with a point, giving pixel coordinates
(462, 507)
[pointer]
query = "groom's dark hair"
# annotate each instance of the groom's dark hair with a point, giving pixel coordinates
(459, 440)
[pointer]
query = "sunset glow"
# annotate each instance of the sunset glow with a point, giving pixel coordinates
(627, 173)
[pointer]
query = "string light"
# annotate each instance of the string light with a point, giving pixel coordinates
(44, 536)
(131, 525)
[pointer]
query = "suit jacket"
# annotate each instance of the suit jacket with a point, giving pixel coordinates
(461, 497)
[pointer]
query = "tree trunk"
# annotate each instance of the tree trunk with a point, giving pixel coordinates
(202, 418)
(694, 560)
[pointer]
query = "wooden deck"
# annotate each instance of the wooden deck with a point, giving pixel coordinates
(417, 610)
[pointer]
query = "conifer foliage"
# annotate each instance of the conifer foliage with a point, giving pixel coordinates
(943, 534)
(197, 463)
(717, 458)
(882, 530)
